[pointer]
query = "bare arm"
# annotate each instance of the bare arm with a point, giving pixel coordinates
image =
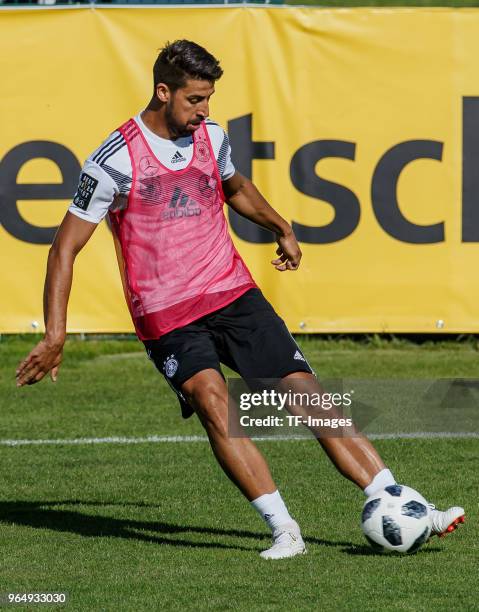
(246, 200)
(46, 356)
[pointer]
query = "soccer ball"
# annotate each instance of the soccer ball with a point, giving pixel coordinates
(396, 519)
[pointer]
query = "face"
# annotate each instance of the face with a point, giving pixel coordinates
(186, 107)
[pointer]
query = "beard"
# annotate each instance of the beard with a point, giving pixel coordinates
(176, 129)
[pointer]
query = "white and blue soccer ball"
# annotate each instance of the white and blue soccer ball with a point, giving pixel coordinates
(396, 518)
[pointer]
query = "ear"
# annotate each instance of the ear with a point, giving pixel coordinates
(163, 92)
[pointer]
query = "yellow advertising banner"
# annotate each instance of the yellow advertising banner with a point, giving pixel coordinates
(360, 126)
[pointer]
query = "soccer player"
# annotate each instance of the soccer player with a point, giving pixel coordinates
(163, 178)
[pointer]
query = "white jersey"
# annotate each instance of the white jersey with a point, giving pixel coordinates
(107, 174)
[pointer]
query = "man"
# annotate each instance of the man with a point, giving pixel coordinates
(163, 178)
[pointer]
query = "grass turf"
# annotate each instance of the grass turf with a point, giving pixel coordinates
(158, 526)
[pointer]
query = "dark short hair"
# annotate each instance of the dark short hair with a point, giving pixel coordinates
(182, 60)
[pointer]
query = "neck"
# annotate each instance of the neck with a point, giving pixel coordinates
(154, 119)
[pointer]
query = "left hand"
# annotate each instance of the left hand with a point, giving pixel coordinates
(289, 253)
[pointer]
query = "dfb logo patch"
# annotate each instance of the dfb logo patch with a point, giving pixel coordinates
(202, 151)
(170, 366)
(86, 188)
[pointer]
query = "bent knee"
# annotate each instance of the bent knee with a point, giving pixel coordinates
(210, 401)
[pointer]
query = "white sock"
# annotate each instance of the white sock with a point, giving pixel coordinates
(272, 509)
(383, 479)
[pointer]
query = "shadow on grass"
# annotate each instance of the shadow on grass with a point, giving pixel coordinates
(46, 515)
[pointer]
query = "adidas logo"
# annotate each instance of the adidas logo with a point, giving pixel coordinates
(177, 157)
(181, 205)
(298, 356)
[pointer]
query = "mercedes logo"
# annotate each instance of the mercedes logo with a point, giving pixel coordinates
(148, 166)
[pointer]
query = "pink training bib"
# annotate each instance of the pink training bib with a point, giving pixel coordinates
(177, 260)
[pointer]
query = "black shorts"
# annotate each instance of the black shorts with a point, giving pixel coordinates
(247, 336)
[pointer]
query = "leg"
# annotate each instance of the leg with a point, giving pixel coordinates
(241, 461)
(260, 346)
(188, 359)
(257, 344)
(357, 459)
(354, 457)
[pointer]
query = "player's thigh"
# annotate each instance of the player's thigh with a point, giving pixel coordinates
(259, 342)
(182, 354)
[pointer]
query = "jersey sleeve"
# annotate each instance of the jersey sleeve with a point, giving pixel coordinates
(95, 193)
(222, 149)
(224, 159)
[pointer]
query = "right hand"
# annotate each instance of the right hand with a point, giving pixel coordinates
(43, 358)
(289, 253)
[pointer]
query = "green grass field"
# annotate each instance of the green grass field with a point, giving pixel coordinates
(156, 526)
